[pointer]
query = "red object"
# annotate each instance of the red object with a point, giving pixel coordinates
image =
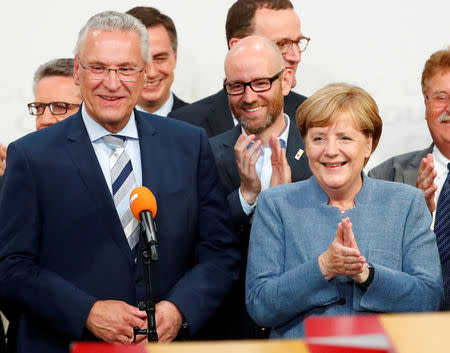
(142, 199)
(82, 347)
(347, 334)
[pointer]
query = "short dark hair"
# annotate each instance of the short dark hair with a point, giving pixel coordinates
(151, 17)
(240, 15)
(56, 67)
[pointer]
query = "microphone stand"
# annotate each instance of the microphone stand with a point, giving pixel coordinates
(149, 256)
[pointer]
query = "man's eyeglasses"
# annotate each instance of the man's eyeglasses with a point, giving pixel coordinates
(440, 99)
(258, 85)
(124, 73)
(56, 108)
(285, 45)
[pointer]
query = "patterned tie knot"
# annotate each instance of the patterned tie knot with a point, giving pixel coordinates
(114, 141)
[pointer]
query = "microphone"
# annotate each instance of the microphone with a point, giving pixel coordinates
(143, 206)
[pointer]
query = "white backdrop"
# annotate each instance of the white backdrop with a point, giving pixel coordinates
(378, 45)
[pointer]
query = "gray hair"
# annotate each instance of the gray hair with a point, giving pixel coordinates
(56, 67)
(115, 21)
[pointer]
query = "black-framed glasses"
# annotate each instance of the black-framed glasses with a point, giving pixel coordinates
(56, 108)
(259, 85)
(285, 45)
(124, 73)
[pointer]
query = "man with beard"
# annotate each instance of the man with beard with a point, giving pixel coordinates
(428, 169)
(273, 19)
(263, 150)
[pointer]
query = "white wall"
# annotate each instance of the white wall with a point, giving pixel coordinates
(379, 45)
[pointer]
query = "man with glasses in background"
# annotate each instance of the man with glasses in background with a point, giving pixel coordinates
(273, 19)
(428, 169)
(56, 97)
(70, 254)
(263, 150)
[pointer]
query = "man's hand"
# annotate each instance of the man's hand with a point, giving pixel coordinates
(2, 159)
(112, 321)
(168, 321)
(425, 180)
(246, 158)
(281, 171)
(343, 256)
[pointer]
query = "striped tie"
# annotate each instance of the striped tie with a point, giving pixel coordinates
(442, 231)
(123, 182)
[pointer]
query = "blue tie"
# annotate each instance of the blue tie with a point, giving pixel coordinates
(442, 231)
(123, 182)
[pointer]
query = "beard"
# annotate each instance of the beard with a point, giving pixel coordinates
(444, 117)
(274, 109)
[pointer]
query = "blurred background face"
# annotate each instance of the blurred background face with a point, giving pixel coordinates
(56, 89)
(336, 155)
(255, 111)
(109, 99)
(277, 25)
(438, 108)
(159, 72)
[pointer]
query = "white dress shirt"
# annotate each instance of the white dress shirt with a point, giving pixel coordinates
(164, 110)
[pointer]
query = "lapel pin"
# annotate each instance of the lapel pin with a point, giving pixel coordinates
(299, 154)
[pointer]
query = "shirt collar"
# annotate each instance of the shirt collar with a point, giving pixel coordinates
(164, 110)
(440, 161)
(96, 131)
(285, 134)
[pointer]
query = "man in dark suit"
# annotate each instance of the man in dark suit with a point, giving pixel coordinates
(156, 97)
(275, 20)
(69, 257)
(263, 150)
(428, 169)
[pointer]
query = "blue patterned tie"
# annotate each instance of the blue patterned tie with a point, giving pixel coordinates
(442, 231)
(123, 182)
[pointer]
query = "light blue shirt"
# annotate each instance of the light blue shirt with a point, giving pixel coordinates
(103, 151)
(264, 167)
(164, 110)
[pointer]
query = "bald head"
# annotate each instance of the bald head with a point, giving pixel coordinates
(254, 48)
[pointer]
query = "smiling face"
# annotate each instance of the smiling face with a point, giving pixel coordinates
(247, 61)
(56, 89)
(438, 110)
(109, 101)
(277, 25)
(336, 156)
(159, 71)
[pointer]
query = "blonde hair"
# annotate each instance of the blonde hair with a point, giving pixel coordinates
(322, 108)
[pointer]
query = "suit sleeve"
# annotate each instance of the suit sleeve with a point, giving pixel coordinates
(275, 296)
(384, 171)
(201, 290)
(42, 294)
(418, 285)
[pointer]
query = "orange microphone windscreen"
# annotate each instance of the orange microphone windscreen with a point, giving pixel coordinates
(142, 199)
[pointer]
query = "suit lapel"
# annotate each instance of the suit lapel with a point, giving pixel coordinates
(151, 151)
(220, 119)
(294, 144)
(229, 158)
(84, 157)
(410, 175)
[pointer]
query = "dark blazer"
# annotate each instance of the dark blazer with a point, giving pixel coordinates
(177, 102)
(1, 182)
(403, 168)
(232, 320)
(62, 246)
(213, 113)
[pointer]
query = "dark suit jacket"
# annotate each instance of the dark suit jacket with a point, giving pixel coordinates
(177, 102)
(62, 246)
(1, 182)
(213, 113)
(402, 168)
(232, 320)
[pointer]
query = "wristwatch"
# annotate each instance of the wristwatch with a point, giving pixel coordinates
(364, 285)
